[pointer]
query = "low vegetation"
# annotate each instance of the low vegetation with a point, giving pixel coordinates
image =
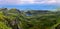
(33, 19)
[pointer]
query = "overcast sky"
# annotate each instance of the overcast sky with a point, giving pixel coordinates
(33, 4)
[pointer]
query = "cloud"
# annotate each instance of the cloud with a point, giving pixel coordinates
(18, 2)
(58, 1)
(37, 2)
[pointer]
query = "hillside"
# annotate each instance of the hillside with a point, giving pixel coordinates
(34, 19)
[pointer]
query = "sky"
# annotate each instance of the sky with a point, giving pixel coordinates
(30, 4)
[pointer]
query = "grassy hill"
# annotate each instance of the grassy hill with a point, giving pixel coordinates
(33, 19)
